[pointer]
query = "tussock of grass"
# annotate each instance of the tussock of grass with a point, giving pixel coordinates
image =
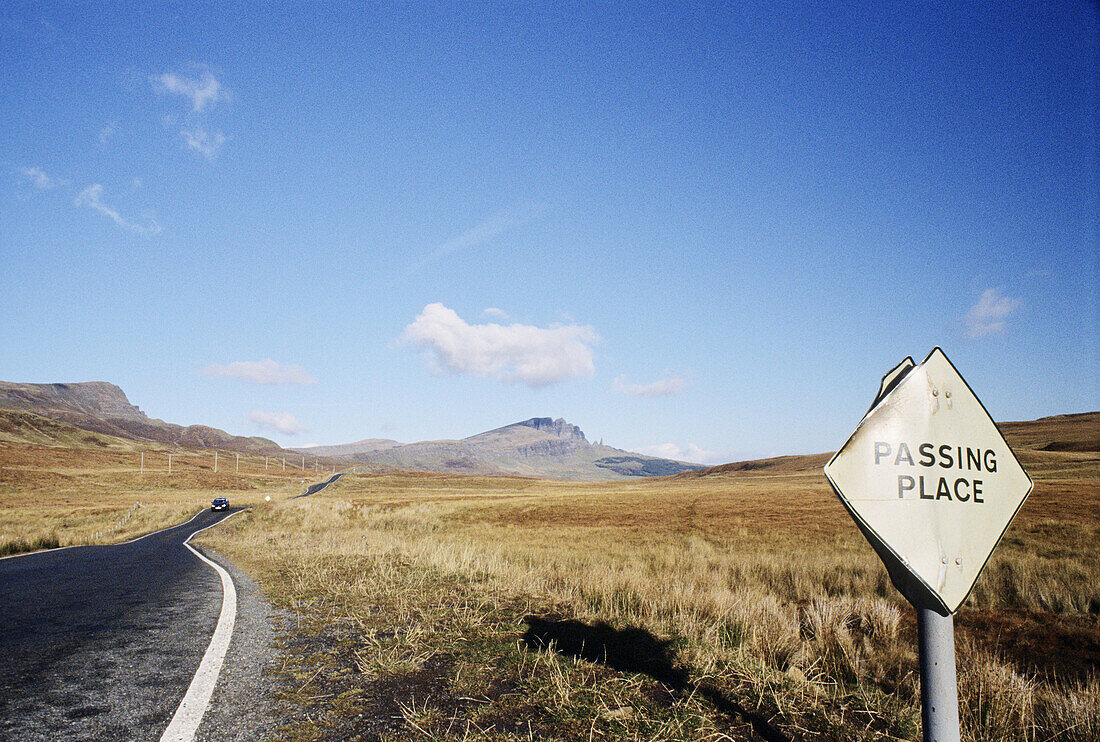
(20, 545)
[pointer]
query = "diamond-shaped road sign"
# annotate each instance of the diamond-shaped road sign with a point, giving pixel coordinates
(930, 482)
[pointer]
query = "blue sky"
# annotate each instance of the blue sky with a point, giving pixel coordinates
(691, 231)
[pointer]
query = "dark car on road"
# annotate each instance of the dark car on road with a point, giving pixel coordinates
(220, 503)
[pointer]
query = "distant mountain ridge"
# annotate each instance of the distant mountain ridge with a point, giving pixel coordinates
(537, 447)
(101, 407)
(558, 428)
(92, 398)
(367, 445)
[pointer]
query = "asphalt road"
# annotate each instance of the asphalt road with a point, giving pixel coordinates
(101, 642)
(313, 489)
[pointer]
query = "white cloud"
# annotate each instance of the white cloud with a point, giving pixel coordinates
(535, 356)
(989, 316)
(91, 196)
(495, 313)
(283, 422)
(266, 371)
(40, 180)
(661, 388)
(206, 144)
(202, 92)
(691, 452)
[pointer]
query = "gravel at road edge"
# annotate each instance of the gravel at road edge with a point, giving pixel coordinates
(244, 706)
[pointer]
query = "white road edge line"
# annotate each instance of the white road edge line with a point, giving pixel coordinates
(185, 722)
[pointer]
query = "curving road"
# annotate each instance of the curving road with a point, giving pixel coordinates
(101, 642)
(313, 489)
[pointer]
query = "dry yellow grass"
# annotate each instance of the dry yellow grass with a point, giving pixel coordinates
(411, 589)
(98, 493)
(767, 589)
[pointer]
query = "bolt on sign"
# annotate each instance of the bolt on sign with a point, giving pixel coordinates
(930, 482)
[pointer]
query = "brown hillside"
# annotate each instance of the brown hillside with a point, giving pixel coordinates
(776, 465)
(1033, 441)
(1078, 432)
(99, 407)
(26, 427)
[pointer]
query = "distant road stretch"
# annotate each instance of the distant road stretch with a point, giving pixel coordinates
(102, 642)
(315, 488)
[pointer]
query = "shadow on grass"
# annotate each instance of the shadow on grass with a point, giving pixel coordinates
(635, 650)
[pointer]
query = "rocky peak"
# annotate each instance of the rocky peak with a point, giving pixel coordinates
(558, 427)
(96, 398)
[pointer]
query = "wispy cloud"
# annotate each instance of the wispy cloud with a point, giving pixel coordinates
(990, 315)
(535, 356)
(206, 144)
(92, 198)
(691, 452)
(483, 233)
(266, 371)
(661, 388)
(282, 422)
(203, 92)
(495, 313)
(40, 180)
(107, 132)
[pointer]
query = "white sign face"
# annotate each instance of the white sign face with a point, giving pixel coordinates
(930, 481)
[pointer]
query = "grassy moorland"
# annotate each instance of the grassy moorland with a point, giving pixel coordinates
(739, 605)
(61, 486)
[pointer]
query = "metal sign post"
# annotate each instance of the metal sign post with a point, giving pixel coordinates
(938, 687)
(932, 485)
